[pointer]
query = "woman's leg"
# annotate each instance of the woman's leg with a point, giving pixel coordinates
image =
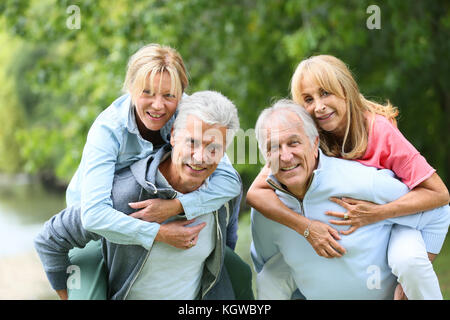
(240, 275)
(409, 261)
(92, 282)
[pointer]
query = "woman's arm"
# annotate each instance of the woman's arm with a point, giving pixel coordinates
(97, 172)
(322, 237)
(429, 194)
(389, 149)
(223, 185)
(263, 198)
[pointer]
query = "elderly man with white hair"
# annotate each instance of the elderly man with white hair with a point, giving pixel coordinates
(304, 179)
(186, 259)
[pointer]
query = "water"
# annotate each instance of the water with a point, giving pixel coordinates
(24, 207)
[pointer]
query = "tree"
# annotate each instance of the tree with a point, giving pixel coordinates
(246, 49)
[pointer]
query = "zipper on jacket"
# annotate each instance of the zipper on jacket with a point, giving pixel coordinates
(142, 266)
(275, 186)
(137, 274)
(219, 236)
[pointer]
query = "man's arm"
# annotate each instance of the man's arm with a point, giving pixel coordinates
(61, 233)
(263, 246)
(274, 279)
(233, 219)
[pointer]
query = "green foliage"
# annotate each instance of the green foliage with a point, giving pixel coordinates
(10, 109)
(248, 50)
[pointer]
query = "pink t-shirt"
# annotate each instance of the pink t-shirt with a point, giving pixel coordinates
(388, 149)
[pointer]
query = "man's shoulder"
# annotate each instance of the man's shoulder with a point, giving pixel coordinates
(348, 169)
(382, 183)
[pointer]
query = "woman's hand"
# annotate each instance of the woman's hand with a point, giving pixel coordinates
(176, 233)
(359, 213)
(323, 238)
(156, 210)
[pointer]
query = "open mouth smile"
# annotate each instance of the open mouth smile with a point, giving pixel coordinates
(195, 168)
(289, 168)
(155, 116)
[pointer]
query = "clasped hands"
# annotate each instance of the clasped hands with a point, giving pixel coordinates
(175, 233)
(323, 238)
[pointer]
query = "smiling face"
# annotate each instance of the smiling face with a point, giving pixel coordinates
(290, 153)
(156, 104)
(197, 151)
(328, 110)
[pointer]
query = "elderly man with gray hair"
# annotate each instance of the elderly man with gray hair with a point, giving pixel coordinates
(304, 179)
(186, 260)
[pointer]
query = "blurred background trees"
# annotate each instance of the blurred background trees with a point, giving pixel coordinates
(56, 80)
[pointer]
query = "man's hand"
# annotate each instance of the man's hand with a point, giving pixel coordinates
(156, 210)
(176, 233)
(323, 238)
(399, 294)
(62, 294)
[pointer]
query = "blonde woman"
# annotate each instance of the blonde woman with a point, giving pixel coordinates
(131, 128)
(354, 128)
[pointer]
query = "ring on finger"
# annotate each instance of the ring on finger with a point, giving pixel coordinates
(345, 216)
(191, 243)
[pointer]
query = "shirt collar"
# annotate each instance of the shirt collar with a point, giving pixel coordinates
(131, 120)
(133, 128)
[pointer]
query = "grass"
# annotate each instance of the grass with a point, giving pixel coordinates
(441, 263)
(442, 267)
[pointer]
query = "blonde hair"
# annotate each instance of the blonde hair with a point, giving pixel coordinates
(332, 75)
(151, 60)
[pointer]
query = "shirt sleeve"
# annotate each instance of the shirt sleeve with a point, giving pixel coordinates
(389, 149)
(234, 207)
(274, 278)
(61, 233)
(223, 185)
(97, 212)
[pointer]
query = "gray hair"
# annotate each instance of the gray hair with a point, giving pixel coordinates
(284, 109)
(212, 108)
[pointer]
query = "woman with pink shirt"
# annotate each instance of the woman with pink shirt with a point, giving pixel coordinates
(354, 128)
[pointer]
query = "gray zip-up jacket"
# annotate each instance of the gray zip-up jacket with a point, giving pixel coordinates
(64, 231)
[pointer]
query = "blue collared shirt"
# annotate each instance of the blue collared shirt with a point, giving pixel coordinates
(113, 143)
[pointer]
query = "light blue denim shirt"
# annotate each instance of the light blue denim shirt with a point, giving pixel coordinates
(113, 143)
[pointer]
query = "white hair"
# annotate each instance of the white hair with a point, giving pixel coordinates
(212, 108)
(284, 109)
